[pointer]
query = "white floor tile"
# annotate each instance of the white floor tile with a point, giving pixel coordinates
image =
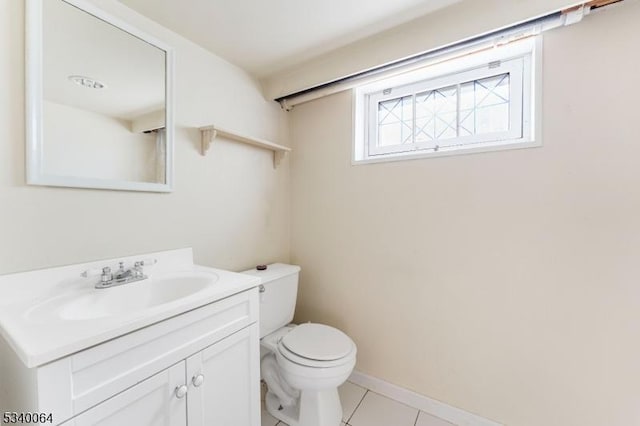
(425, 419)
(377, 410)
(350, 397)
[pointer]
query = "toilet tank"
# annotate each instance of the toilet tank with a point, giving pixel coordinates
(278, 300)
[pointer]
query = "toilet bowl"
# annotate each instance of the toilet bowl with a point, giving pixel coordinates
(302, 365)
(312, 360)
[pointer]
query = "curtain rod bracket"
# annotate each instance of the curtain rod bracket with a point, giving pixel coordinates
(574, 15)
(285, 105)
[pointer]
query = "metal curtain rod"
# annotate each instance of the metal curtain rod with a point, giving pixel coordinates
(429, 54)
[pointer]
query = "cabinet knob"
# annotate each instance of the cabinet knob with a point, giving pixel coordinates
(197, 380)
(181, 391)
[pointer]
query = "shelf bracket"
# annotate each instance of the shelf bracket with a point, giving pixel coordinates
(206, 138)
(277, 158)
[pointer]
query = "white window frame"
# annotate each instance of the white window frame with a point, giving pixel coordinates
(520, 59)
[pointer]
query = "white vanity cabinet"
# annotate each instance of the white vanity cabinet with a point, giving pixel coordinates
(216, 386)
(197, 368)
(151, 402)
(224, 382)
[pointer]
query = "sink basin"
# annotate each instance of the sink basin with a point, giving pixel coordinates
(130, 298)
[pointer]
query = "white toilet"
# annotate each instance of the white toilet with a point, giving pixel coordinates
(302, 365)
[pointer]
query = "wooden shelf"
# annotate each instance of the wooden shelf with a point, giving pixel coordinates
(209, 133)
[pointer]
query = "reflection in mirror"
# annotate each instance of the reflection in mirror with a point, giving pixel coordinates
(103, 116)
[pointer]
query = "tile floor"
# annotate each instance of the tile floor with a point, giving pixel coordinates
(362, 407)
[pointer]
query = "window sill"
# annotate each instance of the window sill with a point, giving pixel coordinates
(447, 152)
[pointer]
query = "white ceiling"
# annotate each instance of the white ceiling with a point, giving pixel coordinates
(264, 37)
(132, 69)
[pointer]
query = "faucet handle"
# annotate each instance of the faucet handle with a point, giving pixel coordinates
(137, 268)
(93, 272)
(106, 274)
(145, 262)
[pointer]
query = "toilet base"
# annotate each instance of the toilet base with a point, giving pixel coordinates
(313, 408)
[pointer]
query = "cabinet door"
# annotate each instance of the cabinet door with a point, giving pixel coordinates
(152, 402)
(228, 391)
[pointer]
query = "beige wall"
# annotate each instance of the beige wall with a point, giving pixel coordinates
(232, 207)
(503, 283)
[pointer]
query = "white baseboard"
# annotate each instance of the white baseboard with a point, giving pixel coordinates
(430, 406)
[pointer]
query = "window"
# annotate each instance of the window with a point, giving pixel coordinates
(478, 102)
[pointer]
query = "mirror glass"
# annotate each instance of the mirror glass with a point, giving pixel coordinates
(101, 118)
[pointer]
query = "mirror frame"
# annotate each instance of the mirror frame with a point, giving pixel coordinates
(34, 104)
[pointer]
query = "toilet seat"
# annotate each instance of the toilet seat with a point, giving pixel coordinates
(317, 346)
(311, 363)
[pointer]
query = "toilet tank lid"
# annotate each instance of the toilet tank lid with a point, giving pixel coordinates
(274, 271)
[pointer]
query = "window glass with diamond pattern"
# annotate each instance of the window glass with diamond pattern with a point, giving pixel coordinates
(475, 108)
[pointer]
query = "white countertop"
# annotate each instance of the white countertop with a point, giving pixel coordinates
(38, 341)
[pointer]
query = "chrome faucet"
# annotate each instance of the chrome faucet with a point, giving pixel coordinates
(121, 276)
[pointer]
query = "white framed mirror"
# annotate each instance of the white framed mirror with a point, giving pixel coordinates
(99, 97)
